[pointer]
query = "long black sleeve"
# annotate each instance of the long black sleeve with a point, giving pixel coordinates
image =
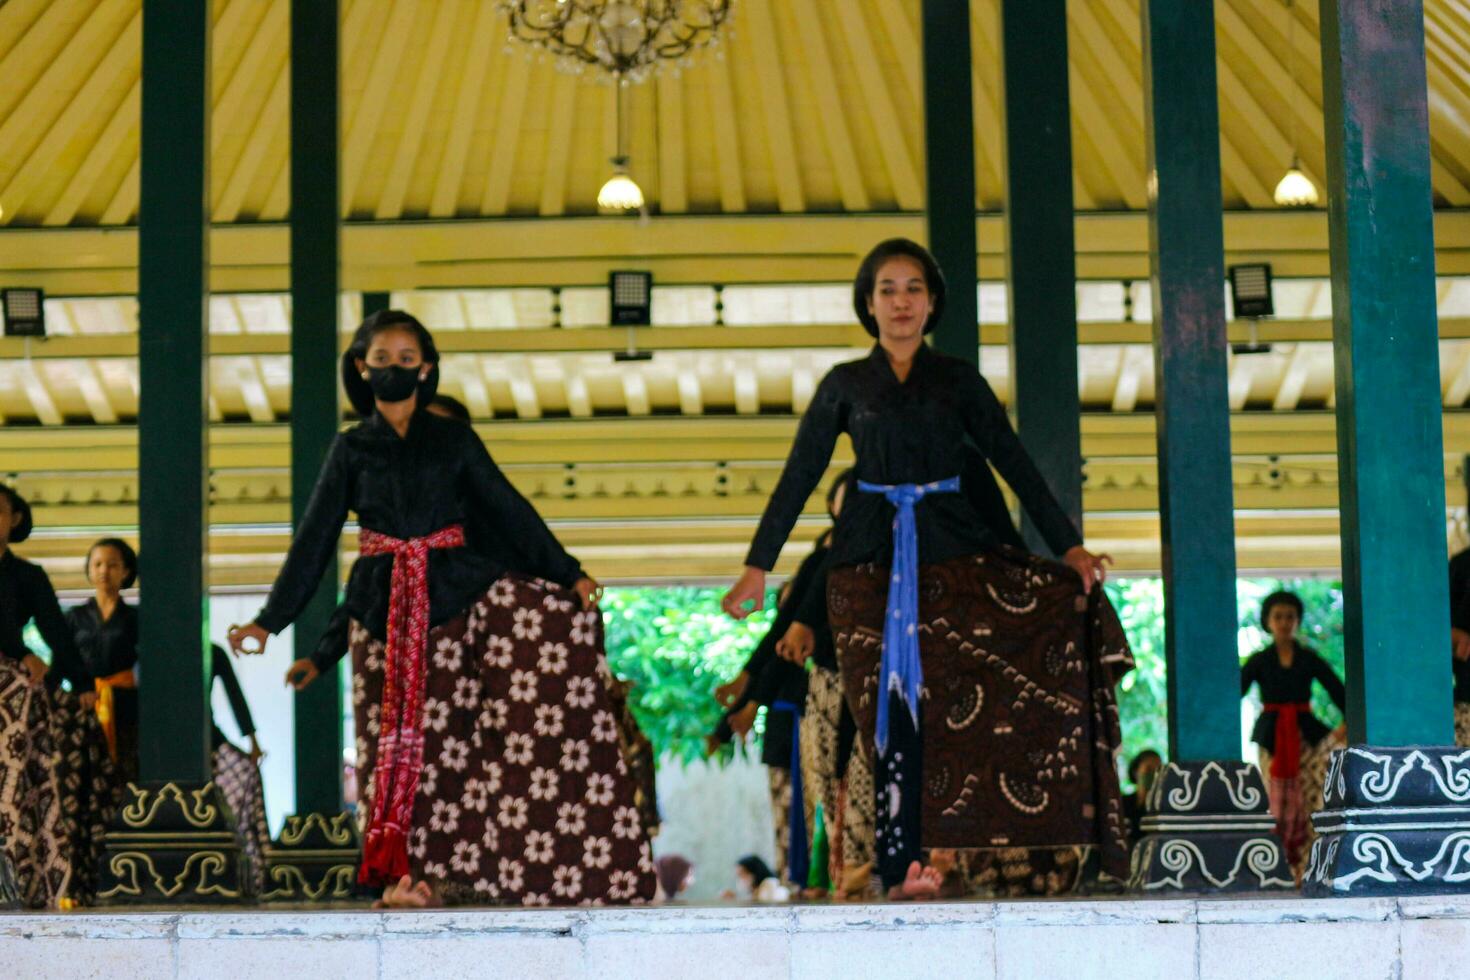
(66, 661)
(1329, 680)
(312, 546)
(225, 674)
(816, 437)
(991, 429)
(1248, 673)
(514, 517)
(332, 647)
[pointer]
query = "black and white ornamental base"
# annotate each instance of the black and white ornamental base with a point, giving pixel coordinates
(1394, 821)
(1207, 827)
(314, 860)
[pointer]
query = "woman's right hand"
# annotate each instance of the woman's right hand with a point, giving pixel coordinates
(742, 721)
(301, 673)
(238, 635)
(750, 587)
(36, 667)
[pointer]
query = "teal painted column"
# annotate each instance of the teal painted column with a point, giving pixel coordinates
(949, 165)
(1041, 248)
(315, 415)
(173, 351)
(1192, 409)
(1385, 341)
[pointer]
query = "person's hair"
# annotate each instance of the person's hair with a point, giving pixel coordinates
(359, 392)
(125, 552)
(758, 870)
(1139, 760)
(673, 870)
(1282, 598)
(18, 504)
(453, 406)
(867, 280)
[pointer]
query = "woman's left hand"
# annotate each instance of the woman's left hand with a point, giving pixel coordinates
(590, 592)
(1092, 569)
(256, 752)
(88, 700)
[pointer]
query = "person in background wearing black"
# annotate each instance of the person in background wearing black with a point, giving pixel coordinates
(1294, 742)
(105, 628)
(58, 787)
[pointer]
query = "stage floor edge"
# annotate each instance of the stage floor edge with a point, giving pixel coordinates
(1246, 936)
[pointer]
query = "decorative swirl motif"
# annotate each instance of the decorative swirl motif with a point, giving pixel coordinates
(337, 879)
(338, 831)
(1262, 855)
(1036, 798)
(1379, 784)
(127, 866)
(1187, 796)
(1377, 853)
(140, 812)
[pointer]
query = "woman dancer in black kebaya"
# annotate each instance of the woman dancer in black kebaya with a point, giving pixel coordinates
(945, 639)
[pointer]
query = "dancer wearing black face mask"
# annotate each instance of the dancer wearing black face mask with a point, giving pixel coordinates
(482, 719)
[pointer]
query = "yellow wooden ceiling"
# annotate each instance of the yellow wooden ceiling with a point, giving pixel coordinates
(806, 107)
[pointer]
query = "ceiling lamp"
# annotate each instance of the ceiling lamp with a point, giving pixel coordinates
(627, 38)
(1296, 189)
(621, 193)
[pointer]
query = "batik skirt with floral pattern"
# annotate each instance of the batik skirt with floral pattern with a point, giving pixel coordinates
(524, 796)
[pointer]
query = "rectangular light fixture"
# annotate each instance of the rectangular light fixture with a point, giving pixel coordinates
(25, 312)
(631, 294)
(1250, 291)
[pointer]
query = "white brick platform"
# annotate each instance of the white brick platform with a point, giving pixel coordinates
(1257, 938)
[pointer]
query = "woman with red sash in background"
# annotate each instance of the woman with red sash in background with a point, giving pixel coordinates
(1294, 743)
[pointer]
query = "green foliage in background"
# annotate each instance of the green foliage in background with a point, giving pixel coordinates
(676, 645)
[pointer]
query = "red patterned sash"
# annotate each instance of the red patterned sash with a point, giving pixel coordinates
(400, 732)
(1286, 760)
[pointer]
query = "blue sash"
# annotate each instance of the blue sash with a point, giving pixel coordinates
(900, 669)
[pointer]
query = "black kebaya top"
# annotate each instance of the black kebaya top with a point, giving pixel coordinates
(915, 431)
(107, 646)
(26, 594)
(436, 475)
(1290, 685)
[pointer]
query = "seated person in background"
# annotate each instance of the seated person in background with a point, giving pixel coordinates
(675, 874)
(754, 881)
(1294, 742)
(1142, 771)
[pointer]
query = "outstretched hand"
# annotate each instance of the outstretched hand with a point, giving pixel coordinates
(301, 673)
(750, 587)
(798, 643)
(1092, 569)
(249, 639)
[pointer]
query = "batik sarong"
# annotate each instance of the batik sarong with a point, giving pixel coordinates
(524, 797)
(1019, 720)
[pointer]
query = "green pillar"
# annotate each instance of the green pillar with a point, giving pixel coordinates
(1385, 341)
(1041, 249)
(314, 407)
(949, 164)
(1196, 506)
(173, 352)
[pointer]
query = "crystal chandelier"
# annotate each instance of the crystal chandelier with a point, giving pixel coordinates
(627, 38)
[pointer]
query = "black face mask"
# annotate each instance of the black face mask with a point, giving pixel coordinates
(393, 383)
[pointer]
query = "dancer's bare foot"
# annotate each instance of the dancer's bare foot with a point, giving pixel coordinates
(919, 885)
(407, 895)
(855, 882)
